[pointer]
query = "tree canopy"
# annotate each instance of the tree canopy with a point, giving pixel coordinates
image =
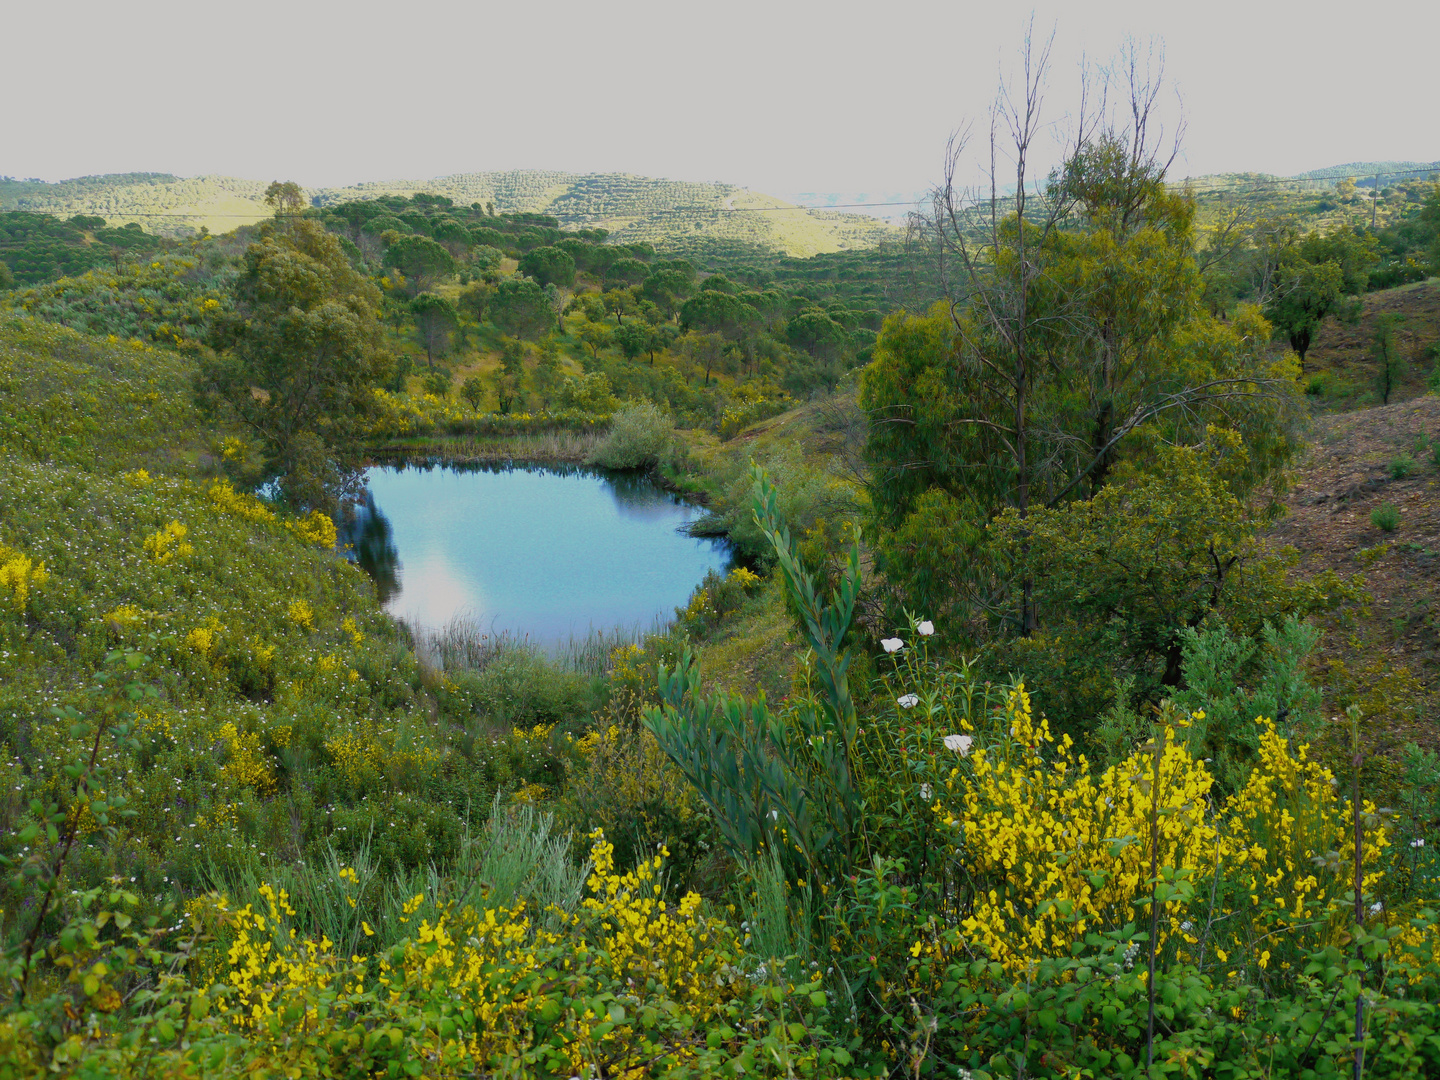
(1074, 345)
(298, 360)
(520, 308)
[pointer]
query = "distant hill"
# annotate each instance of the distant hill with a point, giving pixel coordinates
(158, 202)
(887, 204)
(1369, 172)
(668, 213)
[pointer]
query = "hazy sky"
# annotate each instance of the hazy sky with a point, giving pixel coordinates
(781, 96)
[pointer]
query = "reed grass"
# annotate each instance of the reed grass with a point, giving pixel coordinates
(467, 644)
(518, 856)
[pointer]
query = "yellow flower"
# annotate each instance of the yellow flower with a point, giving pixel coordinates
(169, 544)
(18, 575)
(301, 615)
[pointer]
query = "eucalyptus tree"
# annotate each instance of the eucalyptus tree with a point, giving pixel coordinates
(1073, 335)
(298, 360)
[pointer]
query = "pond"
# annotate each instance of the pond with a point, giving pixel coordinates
(548, 553)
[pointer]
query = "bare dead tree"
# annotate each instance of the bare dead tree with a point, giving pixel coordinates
(991, 264)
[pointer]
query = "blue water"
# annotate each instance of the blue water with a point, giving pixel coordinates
(531, 551)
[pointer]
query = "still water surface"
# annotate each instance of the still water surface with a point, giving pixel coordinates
(544, 552)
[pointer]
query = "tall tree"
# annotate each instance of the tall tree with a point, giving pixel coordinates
(423, 262)
(596, 336)
(435, 321)
(619, 302)
(452, 235)
(712, 311)
(624, 272)
(633, 338)
(549, 266)
(297, 362)
(284, 198)
(1305, 293)
(1074, 333)
(521, 309)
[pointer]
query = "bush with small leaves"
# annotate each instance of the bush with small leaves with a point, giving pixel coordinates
(1385, 517)
(437, 382)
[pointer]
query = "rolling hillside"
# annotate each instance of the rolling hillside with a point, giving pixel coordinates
(669, 213)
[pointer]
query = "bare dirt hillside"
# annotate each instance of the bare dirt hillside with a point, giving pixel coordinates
(1343, 355)
(1383, 653)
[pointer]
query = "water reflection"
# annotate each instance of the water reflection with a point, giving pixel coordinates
(548, 552)
(369, 534)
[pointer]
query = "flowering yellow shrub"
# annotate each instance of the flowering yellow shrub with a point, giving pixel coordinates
(746, 579)
(300, 614)
(633, 769)
(1057, 850)
(126, 615)
(247, 766)
(355, 756)
(169, 544)
(201, 640)
(316, 528)
(230, 501)
(592, 984)
(18, 575)
(1284, 832)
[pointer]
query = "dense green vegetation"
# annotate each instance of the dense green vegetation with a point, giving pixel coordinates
(1040, 782)
(38, 247)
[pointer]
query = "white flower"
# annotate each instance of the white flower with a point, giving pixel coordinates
(892, 644)
(925, 792)
(774, 815)
(1417, 843)
(925, 629)
(907, 701)
(1376, 908)
(959, 743)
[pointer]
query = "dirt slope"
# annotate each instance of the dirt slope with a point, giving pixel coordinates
(1392, 644)
(1342, 355)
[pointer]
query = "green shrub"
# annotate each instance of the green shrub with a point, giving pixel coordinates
(1231, 679)
(640, 433)
(1402, 466)
(1385, 517)
(438, 382)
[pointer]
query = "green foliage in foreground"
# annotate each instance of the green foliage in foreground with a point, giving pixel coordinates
(294, 716)
(264, 744)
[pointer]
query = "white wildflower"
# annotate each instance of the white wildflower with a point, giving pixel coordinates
(892, 644)
(925, 629)
(960, 744)
(925, 792)
(907, 701)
